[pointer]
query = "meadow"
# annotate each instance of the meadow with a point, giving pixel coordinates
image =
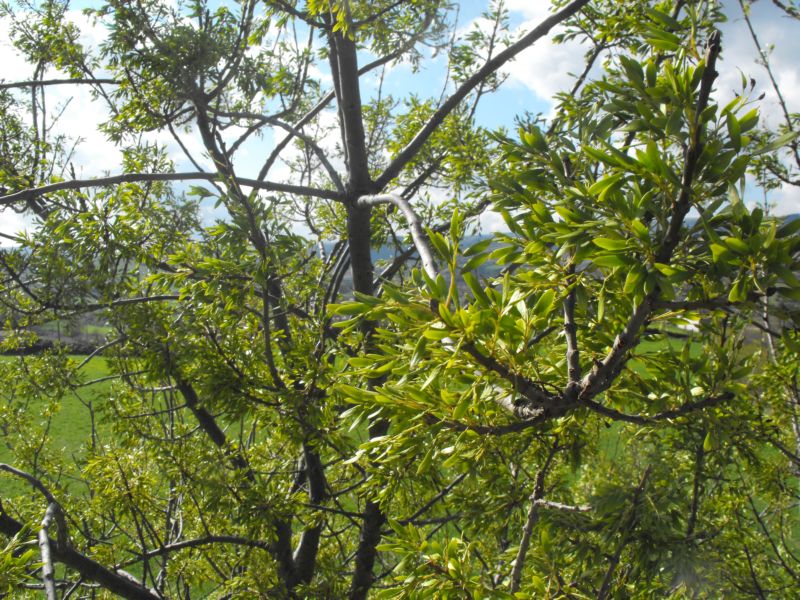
(64, 427)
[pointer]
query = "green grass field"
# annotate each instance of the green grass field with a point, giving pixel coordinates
(70, 424)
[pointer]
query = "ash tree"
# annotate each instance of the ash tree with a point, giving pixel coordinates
(331, 389)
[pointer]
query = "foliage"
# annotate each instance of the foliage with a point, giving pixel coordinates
(599, 401)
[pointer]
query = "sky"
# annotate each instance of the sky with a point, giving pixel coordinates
(532, 80)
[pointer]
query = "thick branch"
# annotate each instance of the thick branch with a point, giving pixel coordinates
(571, 334)
(414, 224)
(683, 410)
(281, 548)
(369, 538)
(209, 425)
(326, 99)
(697, 485)
(32, 480)
(305, 556)
(48, 571)
(348, 91)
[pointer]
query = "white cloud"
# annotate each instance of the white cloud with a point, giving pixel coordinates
(545, 68)
(530, 9)
(492, 222)
(15, 68)
(740, 57)
(780, 37)
(11, 223)
(786, 200)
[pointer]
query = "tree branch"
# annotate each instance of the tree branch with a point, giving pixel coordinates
(326, 99)
(446, 490)
(48, 571)
(667, 414)
(411, 149)
(75, 184)
(48, 82)
(583, 508)
(414, 224)
(194, 543)
(604, 373)
(115, 581)
(530, 522)
(571, 334)
(531, 392)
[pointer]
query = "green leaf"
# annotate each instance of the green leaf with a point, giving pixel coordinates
(778, 143)
(533, 138)
(606, 185)
(348, 308)
(456, 222)
(478, 247)
(663, 40)
(748, 121)
(789, 228)
(633, 70)
(662, 18)
(734, 131)
(462, 407)
(720, 253)
(545, 303)
(477, 291)
(441, 244)
(632, 280)
(201, 192)
(614, 245)
(738, 292)
(610, 158)
(674, 123)
(354, 393)
(601, 304)
(737, 245)
(787, 275)
(474, 262)
(435, 334)
(426, 461)
(570, 216)
(640, 230)
(791, 293)
(610, 260)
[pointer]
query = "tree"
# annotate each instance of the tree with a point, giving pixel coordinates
(572, 408)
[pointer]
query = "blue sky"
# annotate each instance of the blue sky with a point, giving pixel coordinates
(533, 78)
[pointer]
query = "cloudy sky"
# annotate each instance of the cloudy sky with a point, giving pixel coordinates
(533, 78)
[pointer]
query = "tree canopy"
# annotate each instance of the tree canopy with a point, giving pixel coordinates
(320, 377)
